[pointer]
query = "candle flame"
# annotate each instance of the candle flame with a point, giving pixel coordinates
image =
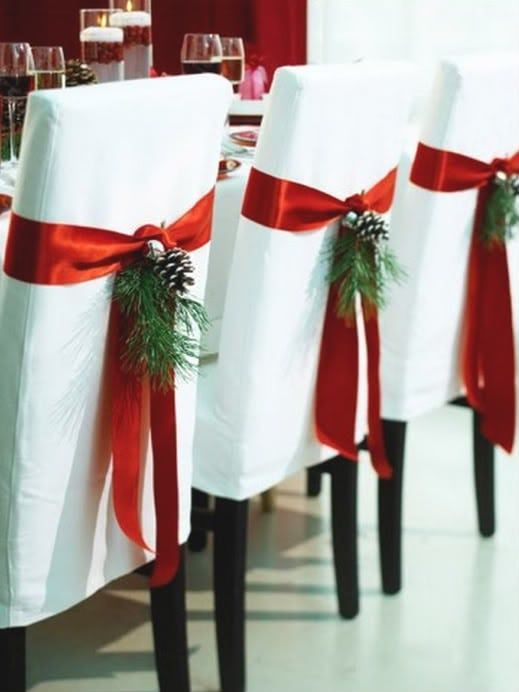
(101, 20)
(129, 6)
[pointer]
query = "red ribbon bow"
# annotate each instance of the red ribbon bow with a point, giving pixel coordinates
(289, 206)
(487, 355)
(60, 254)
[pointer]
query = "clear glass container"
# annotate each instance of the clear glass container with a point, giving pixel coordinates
(102, 45)
(134, 18)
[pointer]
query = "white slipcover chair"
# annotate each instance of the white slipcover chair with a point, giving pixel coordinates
(114, 157)
(339, 129)
(473, 110)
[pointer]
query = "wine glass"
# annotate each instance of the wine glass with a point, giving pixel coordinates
(16, 81)
(201, 53)
(233, 61)
(49, 67)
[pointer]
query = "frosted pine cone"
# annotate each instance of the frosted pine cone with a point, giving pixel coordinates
(368, 226)
(78, 73)
(175, 268)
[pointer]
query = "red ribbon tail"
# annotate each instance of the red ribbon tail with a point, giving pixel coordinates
(488, 357)
(497, 351)
(337, 382)
(127, 399)
(470, 358)
(165, 485)
(376, 444)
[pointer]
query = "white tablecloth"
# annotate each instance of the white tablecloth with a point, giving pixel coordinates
(229, 196)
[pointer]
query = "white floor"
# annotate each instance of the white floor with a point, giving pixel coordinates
(454, 628)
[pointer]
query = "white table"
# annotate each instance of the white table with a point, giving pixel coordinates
(229, 196)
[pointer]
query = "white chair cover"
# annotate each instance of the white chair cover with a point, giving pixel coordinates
(474, 110)
(115, 157)
(338, 129)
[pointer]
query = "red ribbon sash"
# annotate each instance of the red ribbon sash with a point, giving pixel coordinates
(289, 206)
(487, 354)
(60, 254)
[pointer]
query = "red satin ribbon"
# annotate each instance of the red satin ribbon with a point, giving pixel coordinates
(289, 206)
(487, 355)
(60, 254)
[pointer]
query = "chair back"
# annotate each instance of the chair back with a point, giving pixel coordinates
(338, 129)
(473, 110)
(114, 157)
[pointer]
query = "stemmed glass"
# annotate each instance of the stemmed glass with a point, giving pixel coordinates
(201, 53)
(16, 81)
(233, 61)
(49, 67)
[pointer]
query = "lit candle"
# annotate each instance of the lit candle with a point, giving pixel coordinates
(135, 20)
(102, 46)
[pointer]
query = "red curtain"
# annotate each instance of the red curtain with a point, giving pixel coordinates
(173, 18)
(274, 29)
(279, 36)
(46, 22)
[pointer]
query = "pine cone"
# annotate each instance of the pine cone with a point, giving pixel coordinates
(78, 73)
(368, 226)
(514, 182)
(175, 268)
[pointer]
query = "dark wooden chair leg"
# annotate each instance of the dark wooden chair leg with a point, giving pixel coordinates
(484, 479)
(230, 546)
(168, 615)
(198, 538)
(344, 534)
(313, 482)
(390, 509)
(12, 659)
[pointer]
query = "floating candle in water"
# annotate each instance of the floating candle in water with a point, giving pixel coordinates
(136, 24)
(102, 46)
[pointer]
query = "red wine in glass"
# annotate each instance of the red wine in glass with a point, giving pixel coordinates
(16, 86)
(16, 80)
(200, 66)
(201, 53)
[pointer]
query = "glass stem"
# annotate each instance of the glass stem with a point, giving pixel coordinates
(11, 106)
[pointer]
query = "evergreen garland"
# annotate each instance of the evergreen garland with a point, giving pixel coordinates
(162, 323)
(501, 217)
(362, 263)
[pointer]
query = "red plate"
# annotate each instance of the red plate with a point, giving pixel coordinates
(227, 166)
(247, 138)
(5, 203)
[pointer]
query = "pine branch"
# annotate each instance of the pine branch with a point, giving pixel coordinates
(162, 326)
(501, 217)
(364, 268)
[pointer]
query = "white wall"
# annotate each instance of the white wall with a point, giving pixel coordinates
(417, 30)
(340, 30)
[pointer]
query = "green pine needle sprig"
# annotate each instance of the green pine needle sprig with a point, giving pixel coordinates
(358, 267)
(162, 326)
(501, 217)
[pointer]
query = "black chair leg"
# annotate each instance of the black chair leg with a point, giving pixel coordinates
(390, 509)
(484, 479)
(230, 544)
(168, 615)
(344, 534)
(313, 482)
(12, 659)
(198, 538)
